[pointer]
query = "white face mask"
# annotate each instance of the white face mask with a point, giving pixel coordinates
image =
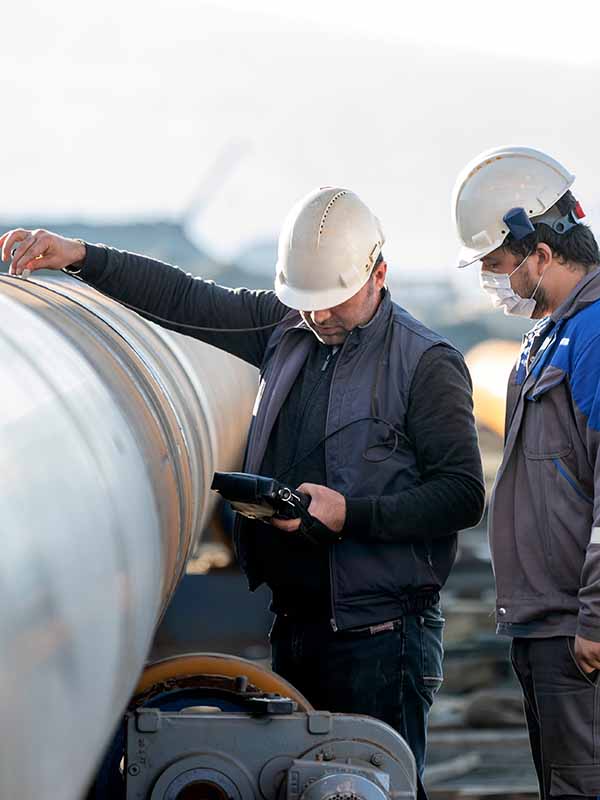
(504, 296)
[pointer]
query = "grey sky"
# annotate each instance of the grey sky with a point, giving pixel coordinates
(119, 109)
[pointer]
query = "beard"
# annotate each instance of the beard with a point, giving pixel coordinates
(541, 298)
(541, 302)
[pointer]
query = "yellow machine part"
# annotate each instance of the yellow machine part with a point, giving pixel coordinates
(490, 364)
(186, 666)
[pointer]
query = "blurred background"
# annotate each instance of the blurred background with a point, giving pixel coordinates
(215, 117)
(186, 130)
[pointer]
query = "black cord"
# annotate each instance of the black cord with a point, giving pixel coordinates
(380, 363)
(170, 321)
(396, 433)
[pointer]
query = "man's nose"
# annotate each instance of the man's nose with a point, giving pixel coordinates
(320, 317)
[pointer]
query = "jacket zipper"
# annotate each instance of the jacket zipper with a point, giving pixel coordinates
(332, 621)
(316, 385)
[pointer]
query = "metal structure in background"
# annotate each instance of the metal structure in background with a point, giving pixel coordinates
(110, 431)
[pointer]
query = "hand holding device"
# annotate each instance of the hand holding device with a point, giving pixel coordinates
(259, 497)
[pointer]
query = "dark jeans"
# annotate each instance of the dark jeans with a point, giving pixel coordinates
(562, 706)
(391, 675)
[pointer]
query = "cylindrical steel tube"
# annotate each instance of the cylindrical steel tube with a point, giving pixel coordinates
(110, 430)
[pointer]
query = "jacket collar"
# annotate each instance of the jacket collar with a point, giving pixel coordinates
(379, 319)
(377, 323)
(586, 292)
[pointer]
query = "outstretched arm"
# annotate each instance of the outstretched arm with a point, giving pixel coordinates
(165, 294)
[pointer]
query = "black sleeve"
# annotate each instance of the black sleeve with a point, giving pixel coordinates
(441, 427)
(182, 300)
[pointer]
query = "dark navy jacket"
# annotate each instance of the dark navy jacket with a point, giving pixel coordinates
(403, 513)
(376, 575)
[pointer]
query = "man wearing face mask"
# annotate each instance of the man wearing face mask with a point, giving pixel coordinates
(516, 215)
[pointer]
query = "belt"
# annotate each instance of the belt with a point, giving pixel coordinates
(373, 630)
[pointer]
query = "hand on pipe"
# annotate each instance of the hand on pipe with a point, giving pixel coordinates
(39, 249)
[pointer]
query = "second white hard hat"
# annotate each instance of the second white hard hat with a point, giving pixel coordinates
(496, 182)
(328, 245)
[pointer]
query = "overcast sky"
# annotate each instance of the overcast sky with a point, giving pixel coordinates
(124, 110)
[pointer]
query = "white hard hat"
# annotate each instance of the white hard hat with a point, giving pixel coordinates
(328, 246)
(504, 179)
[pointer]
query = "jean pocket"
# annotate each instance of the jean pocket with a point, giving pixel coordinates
(431, 625)
(589, 677)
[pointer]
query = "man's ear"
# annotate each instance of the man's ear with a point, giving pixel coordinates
(543, 257)
(379, 274)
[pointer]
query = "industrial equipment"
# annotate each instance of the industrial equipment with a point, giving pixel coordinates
(111, 429)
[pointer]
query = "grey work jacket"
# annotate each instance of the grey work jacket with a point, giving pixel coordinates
(545, 509)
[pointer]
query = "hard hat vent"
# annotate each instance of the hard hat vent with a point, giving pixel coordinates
(328, 243)
(328, 209)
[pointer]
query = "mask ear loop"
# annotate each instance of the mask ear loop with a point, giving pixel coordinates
(510, 274)
(537, 286)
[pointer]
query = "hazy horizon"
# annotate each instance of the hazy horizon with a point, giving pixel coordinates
(121, 113)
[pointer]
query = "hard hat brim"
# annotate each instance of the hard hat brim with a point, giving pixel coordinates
(467, 256)
(301, 300)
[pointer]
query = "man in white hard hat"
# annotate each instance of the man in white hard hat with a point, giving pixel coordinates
(516, 215)
(364, 409)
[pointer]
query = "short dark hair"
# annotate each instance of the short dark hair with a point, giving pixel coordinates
(379, 260)
(577, 246)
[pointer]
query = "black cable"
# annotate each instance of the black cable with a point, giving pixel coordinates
(396, 432)
(172, 322)
(380, 363)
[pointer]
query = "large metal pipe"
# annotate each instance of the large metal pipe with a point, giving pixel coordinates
(110, 430)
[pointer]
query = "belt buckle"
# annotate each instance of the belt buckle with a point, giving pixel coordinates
(382, 626)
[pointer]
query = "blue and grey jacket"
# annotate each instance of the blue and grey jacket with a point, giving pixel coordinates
(545, 508)
(403, 513)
